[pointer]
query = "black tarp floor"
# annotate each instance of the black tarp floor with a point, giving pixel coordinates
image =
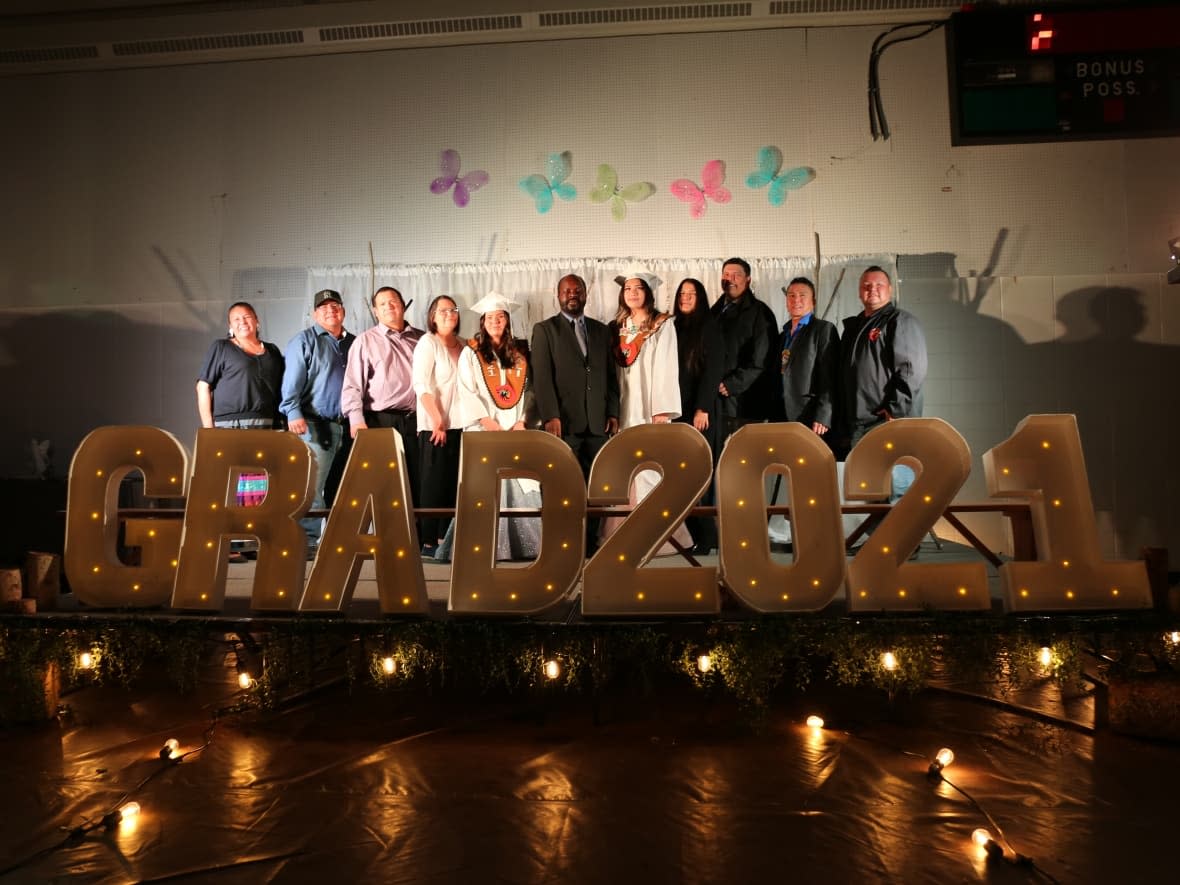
(664, 787)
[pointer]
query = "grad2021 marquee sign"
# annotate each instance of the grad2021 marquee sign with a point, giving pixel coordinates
(183, 563)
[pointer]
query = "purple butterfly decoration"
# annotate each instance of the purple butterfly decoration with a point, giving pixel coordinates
(448, 165)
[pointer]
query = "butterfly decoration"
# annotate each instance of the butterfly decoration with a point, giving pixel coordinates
(712, 187)
(448, 165)
(770, 162)
(606, 188)
(543, 189)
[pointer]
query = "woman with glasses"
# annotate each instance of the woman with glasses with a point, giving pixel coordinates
(436, 368)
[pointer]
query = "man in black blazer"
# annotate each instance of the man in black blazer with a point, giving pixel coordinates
(810, 355)
(574, 378)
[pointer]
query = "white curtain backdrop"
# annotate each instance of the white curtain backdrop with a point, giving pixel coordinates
(534, 284)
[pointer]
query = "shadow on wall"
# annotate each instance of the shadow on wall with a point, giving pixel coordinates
(984, 378)
(1125, 395)
(69, 372)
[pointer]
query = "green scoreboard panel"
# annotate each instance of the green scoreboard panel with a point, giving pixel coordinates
(1064, 73)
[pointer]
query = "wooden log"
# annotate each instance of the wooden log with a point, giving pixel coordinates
(43, 576)
(10, 586)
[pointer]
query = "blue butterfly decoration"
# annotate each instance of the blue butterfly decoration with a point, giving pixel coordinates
(770, 162)
(543, 189)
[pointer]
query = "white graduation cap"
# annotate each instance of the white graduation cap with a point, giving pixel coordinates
(638, 273)
(493, 301)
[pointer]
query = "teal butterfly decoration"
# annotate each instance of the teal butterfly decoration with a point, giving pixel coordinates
(606, 188)
(770, 162)
(543, 189)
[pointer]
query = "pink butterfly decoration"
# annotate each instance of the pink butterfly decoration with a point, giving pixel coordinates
(448, 165)
(712, 187)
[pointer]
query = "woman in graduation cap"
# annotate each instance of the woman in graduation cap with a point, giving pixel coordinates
(491, 393)
(649, 370)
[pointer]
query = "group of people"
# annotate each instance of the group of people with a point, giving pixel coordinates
(716, 367)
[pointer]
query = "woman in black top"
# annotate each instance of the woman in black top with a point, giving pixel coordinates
(701, 352)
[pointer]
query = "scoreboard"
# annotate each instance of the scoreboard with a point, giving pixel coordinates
(1064, 73)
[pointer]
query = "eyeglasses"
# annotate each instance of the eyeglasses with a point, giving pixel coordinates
(449, 311)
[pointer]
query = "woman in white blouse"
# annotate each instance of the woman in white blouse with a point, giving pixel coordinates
(491, 392)
(436, 369)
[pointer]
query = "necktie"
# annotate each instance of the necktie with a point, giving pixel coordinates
(580, 331)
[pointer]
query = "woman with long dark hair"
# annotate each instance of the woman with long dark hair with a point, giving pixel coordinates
(645, 350)
(701, 357)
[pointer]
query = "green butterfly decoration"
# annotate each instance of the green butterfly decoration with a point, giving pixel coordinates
(607, 188)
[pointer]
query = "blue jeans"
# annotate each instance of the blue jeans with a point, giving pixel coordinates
(903, 478)
(324, 438)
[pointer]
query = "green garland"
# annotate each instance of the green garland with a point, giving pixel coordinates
(748, 660)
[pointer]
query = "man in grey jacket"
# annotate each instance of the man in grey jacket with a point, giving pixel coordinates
(882, 359)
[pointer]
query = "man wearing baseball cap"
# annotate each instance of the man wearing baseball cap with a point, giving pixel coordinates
(314, 375)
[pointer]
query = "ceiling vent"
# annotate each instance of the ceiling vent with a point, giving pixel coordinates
(47, 53)
(216, 42)
(682, 12)
(821, 7)
(428, 28)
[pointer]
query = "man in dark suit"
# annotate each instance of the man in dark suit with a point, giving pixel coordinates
(810, 353)
(574, 378)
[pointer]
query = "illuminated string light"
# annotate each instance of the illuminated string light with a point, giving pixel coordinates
(990, 846)
(552, 669)
(245, 680)
(86, 661)
(388, 665)
(942, 759)
(1045, 656)
(171, 749)
(124, 814)
(889, 661)
(704, 663)
(814, 721)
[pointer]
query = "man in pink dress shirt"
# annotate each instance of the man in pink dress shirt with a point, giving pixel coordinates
(378, 381)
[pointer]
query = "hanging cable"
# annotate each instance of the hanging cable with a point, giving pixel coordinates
(878, 125)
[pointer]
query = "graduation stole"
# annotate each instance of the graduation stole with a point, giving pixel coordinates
(626, 353)
(506, 386)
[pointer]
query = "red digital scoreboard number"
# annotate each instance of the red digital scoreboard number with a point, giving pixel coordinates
(1040, 38)
(1127, 28)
